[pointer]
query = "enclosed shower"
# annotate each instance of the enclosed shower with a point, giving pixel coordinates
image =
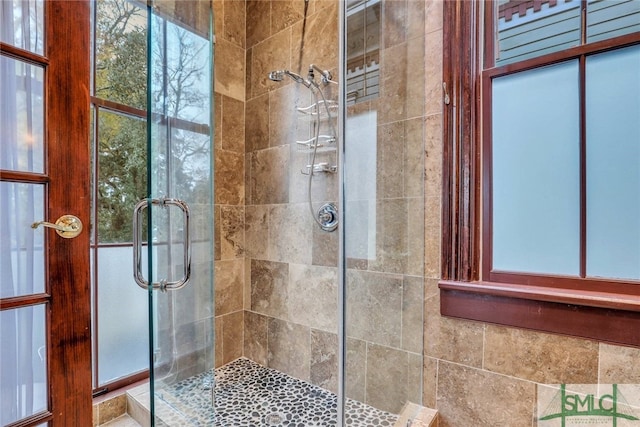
(280, 244)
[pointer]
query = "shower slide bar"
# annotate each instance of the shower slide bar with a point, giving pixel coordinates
(163, 285)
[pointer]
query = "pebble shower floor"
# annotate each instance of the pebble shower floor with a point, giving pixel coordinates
(248, 394)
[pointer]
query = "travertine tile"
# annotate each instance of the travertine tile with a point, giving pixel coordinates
(318, 46)
(540, 357)
(416, 12)
(219, 342)
(394, 22)
(272, 54)
(218, 18)
(325, 248)
(111, 409)
(269, 176)
(229, 177)
(432, 252)
(432, 15)
(356, 369)
(284, 13)
(394, 85)
(248, 60)
(433, 211)
(374, 307)
(414, 377)
(247, 179)
(231, 232)
(392, 235)
(257, 231)
(290, 233)
(415, 237)
(283, 119)
(324, 360)
(232, 336)
(258, 25)
(122, 421)
(429, 382)
(217, 111)
(433, 155)
(229, 284)
(472, 397)
(255, 337)
(289, 347)
(433, 73)
(619, 365)
(230, 70)
(269, 288)
(412, 321)
(390, 160)
(217, 248)
(257, 126)
(234, 22)
(387, 378)
(416, 77)
(313, 296)
(413, 161)
(232, 123)
(450, 339)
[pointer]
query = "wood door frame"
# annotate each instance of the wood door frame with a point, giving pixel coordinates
(68, 158)
(67, 296)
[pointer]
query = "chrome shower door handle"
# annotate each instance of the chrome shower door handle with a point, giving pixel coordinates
(138, 276)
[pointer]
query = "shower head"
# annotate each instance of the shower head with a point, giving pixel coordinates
(278, 76)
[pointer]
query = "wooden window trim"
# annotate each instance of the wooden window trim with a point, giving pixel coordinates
(603, 310)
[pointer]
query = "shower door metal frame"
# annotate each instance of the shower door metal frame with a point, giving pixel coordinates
(342, 265)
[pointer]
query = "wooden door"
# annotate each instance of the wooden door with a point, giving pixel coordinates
(45, 324)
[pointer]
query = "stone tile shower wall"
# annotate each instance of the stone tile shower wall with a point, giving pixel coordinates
(229, 163)
(291, 287)
(291, 277)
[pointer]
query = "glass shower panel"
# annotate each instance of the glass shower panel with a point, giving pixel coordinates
(181, 214)
(384, 210)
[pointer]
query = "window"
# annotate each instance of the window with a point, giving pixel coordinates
(542, 174)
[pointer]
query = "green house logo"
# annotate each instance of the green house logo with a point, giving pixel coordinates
(569, 409)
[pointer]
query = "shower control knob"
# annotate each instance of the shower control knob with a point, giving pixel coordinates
(328, 217)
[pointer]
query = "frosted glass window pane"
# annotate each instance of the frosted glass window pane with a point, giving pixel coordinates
(122, 316)
(23, 272)
(536, 189)
(23, 361)
(612, 18)
(21, 116)
(613, 164)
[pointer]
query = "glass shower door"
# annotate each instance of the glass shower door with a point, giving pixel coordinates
(179, 211)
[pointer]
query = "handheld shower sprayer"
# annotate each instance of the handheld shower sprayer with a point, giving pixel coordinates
(278, 76)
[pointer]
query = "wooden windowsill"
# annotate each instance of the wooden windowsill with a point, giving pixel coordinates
(601, 316)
